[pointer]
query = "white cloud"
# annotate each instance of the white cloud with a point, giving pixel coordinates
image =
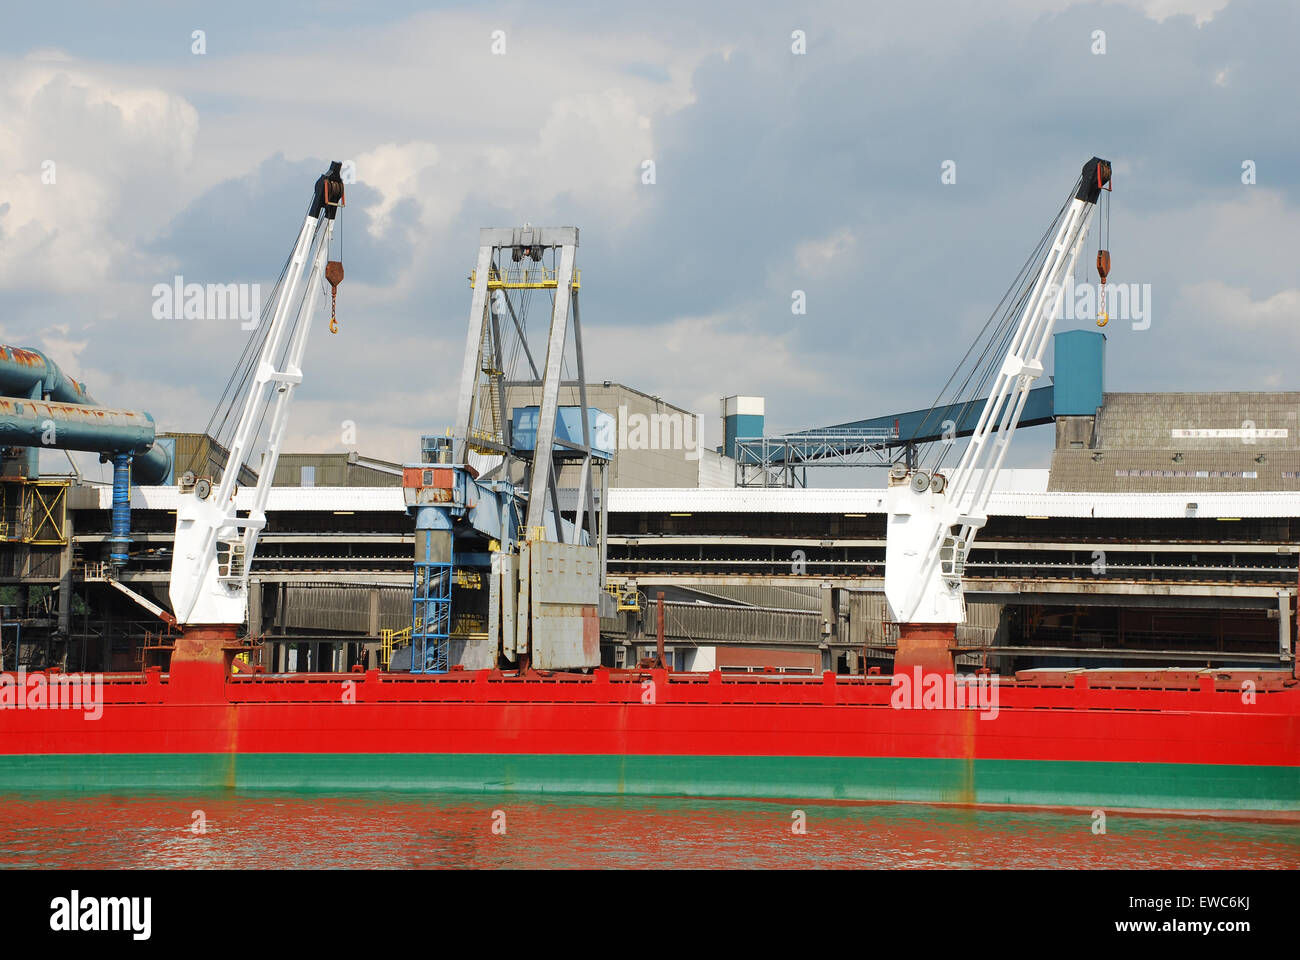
(440, 127)
(813, 256)
(1202, 11)
(695, 361)
(56, 343)
(1249, 233)
(587, 144)
(116, 153)
(542, 114)
(403, 171)
(1272, 319)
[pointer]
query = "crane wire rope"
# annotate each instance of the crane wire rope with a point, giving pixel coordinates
(992, 343)
(218, 427)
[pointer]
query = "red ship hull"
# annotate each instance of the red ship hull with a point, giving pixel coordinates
(1168, 740)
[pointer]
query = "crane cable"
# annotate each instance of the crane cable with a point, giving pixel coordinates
(996, 335)
(334, 276)
(1103, 256)
(237, 383)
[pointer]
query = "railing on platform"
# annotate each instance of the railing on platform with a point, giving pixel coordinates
(525, 278)
(390, 640)
(431, 618)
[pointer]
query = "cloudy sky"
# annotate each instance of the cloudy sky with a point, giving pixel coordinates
(774, 172)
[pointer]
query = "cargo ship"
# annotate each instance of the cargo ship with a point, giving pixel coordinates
(526, 705)
(1189, 741)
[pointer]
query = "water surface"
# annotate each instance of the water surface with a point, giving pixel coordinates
(430, 830)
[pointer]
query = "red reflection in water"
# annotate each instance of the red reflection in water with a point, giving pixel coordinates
(444, 831)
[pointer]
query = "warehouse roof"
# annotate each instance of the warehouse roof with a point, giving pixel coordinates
(840, 501)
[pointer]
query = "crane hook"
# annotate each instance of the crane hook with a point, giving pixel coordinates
(1103, 270)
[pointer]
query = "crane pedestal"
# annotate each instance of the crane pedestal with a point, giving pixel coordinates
(925, 645)
(203, 655)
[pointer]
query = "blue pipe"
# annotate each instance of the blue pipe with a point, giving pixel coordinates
(30, 373)
(40, 424)
(120, 537)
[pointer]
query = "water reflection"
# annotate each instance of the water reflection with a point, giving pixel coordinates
(433, 831)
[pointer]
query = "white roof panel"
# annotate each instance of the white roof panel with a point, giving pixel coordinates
(1001, 503)
(281, 498)
(774, 500)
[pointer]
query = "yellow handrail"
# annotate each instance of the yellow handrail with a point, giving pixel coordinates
(389, 639)
(627, 598)
(525, 278)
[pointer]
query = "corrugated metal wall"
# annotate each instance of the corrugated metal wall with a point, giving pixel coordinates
(716, 470)
(197, 452)
(866, 613)
(331, 470)
(707, 624)
(983, 624)
(346, 608)
(983, 619)
(771, 614)
(21, 560)
(797, 596)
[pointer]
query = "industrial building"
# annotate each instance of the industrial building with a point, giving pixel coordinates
(658, 444)
(1164, 531)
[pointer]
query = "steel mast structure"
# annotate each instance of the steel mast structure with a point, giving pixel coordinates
(512, 262)
(216, 538)
(933, 519)
(501, 578)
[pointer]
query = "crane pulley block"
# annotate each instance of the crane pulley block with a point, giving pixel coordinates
(334, 276)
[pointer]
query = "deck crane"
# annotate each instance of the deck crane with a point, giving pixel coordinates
(933, 519)
(215, 537)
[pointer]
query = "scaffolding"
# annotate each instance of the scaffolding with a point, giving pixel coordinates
(33, 511)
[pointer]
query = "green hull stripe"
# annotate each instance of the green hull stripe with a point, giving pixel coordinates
(1153, 786)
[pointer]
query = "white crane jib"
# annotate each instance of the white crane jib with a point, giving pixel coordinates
(214, 543)
(932, 520)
